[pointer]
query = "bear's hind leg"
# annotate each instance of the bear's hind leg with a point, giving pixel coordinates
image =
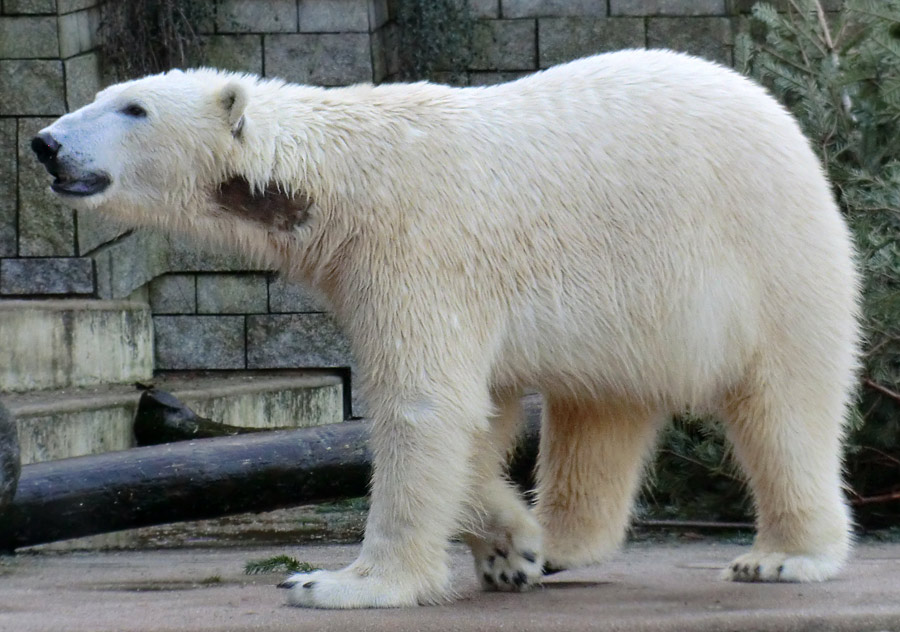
(504, 536)
(592, 455)
(787, 436)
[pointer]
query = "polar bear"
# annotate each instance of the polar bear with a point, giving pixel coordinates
(633, 234)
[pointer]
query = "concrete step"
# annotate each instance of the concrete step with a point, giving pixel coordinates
(51, 344)
(74, 422)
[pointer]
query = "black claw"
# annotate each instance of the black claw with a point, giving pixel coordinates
(746, 569)
(309, 584)
(757, 571)
(287, 584)
(550, 569)
(780, 570)
(735, 568)
(504, 577)
(529, 556)
(491, 560)
(489, 580)
(501, 553)
(520, 579)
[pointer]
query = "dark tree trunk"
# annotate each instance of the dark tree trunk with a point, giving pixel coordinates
(163, 418)
(9, 459)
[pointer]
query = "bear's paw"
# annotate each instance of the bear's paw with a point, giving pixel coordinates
(760, 566)
(508, 564)
(345, 589)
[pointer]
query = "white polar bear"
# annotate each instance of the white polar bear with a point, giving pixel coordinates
(634, 234)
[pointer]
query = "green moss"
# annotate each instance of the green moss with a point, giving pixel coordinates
(434, 40)
(278, 564)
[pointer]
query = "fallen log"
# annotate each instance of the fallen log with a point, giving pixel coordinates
(193, 480)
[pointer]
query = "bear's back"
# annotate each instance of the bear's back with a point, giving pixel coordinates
(671, 213)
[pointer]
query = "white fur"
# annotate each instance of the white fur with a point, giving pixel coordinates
(634, 234)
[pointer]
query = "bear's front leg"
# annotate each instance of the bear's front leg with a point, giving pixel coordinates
(421, 452)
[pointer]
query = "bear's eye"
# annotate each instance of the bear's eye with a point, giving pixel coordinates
(133, 109)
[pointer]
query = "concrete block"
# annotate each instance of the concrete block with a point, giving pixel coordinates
(67, 6)
(232, 294)
(130, 262)
(68, 342)
(78, 32)
(484, 9)
(23, 7)
(565, 39)
(137, 258)
(174, 294)
(262, 400)
(504, 45)
(82, 80)
(334, 16)
(28, 37)
(191, 255)
(552, 8)
(251, 16)
(380, 55)
(46, 227)
(319, 59)
(493, 78)
(277, 341)
(43, 276)
(199, 342)
(31, 87)
(643, 8)
(61, 434)
(239, 53)
(8, 165)
(711, 38)
(291, 297)
(96, 229)
(378, 14)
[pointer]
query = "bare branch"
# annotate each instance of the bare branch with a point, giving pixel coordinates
(881, 498)
(884, 390)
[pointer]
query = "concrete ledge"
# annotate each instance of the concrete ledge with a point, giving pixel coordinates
(75, 422)
(61, 343)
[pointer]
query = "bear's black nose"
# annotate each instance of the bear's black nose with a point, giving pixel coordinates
(45, 147)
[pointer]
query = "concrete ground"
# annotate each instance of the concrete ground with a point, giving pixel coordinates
(649, 586)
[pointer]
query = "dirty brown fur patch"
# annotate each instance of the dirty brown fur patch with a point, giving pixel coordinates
(272, 208)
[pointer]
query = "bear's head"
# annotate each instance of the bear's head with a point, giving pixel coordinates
(172, 150)
(145, 141)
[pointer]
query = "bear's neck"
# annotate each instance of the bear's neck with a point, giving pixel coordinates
(340, 145)
(339, 152)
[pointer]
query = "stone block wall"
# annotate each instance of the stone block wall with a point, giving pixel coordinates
(241, 320)
(213, 310)
(514, 37)
(48, 66)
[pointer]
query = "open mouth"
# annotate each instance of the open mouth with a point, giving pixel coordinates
(90, 184)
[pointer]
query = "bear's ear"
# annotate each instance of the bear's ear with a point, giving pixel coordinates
(233, 99)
